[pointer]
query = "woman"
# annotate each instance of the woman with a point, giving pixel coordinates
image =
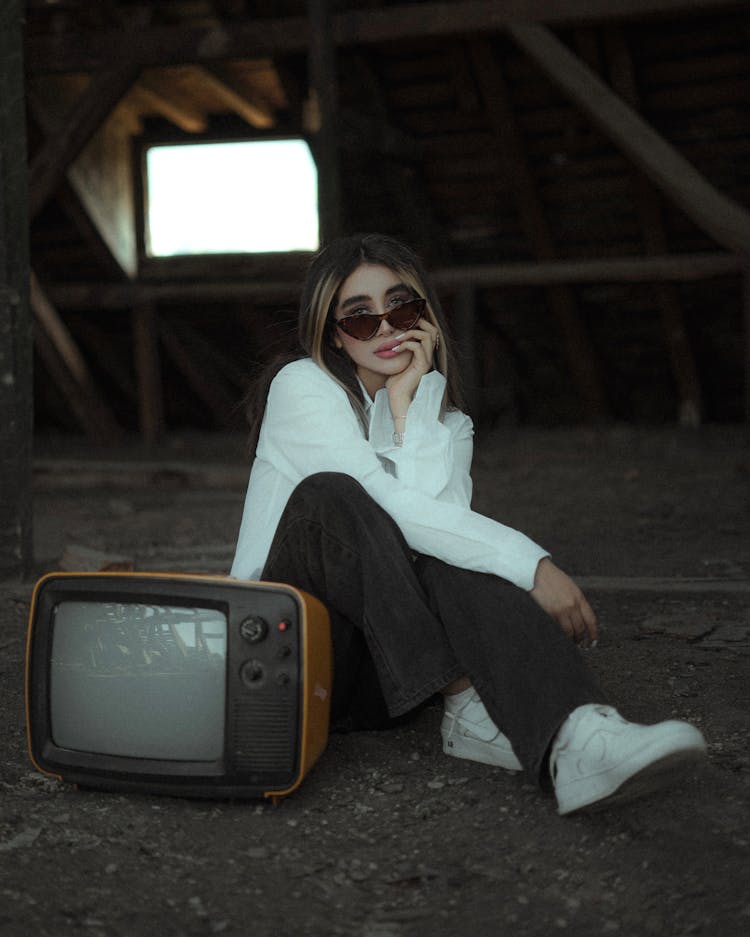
(360, 494)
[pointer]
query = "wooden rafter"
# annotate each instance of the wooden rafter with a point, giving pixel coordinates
(50, 164)
(579, 352)
(655, 243)
(155, 46)
(182, 113)
(725, 220)
(69, 370)
(254, 111)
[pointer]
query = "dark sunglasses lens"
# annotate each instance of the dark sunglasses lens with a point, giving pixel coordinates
(361, 327)
(406, 315)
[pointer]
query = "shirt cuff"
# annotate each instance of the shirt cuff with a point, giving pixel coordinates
(424, 412)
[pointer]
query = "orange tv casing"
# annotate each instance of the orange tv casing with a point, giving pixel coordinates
(188, 685)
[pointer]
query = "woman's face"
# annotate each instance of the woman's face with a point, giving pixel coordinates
(373, 288)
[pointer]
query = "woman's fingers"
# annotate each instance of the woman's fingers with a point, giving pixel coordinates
(561, 598)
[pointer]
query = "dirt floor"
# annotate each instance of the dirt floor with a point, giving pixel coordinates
(387, 837)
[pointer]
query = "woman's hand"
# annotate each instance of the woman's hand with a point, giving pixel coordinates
(421, 342)
(560, 597)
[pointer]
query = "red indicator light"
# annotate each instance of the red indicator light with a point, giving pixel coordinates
(283, 625)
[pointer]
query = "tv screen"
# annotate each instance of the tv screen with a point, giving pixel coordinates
(194, 685)
(163, 665)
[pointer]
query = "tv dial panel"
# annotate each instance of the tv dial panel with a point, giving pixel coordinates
(273, 646)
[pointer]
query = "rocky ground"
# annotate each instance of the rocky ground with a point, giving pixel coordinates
(387, 837)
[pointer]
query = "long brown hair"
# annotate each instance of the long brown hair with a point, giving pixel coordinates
(315, 325)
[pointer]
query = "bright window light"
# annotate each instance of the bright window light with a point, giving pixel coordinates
(248, 197)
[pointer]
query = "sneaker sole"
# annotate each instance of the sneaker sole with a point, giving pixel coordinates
(652, 777)
(459, 746)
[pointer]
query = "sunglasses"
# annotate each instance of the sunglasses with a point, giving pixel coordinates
(365, 325)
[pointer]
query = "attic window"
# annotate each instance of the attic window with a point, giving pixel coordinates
(227, 198)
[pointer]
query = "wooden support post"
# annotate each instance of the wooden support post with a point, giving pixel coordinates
(69, 370)
(16, 406)
(746, 323)
(148, 372)
(322, 117)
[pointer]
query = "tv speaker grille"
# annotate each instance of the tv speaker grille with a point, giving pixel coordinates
(265, 734)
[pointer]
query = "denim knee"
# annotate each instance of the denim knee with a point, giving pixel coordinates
(327, 488)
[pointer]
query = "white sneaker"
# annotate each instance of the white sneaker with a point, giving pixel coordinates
(600, 758)
(468, 732)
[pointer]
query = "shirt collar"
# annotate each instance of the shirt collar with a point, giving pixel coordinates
(368, 401)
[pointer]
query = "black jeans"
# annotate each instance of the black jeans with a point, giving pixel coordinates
(403, 628)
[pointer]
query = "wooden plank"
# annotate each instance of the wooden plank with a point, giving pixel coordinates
(719, 216)
(579, 351)
(69, 370)
(16, 378)
(276, 36)
(50, 164)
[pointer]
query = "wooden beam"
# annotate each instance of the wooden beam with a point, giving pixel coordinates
(182, 114)
(578, 350)
(256, 113)
(97, 194)
(249, 38)
(725, 220)
(69, 370)
(16, 351)
(680, 268)
(746, 329)
(322, 118)
(655, 242)
(49, 165)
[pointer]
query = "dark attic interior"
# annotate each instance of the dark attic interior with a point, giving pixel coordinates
(575, 174)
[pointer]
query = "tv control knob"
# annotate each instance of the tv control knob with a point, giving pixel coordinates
(254, 629)
(252, 673)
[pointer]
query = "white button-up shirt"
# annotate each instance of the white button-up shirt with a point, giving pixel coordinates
(309, 426)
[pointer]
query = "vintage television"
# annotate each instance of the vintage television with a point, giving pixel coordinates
(200, 686)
